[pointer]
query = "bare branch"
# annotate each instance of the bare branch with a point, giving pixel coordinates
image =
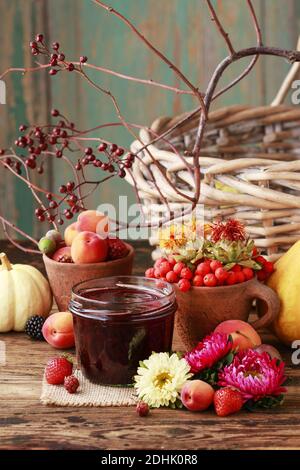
(220, 27)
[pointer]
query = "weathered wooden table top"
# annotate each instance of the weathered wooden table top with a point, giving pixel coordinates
(27, 424)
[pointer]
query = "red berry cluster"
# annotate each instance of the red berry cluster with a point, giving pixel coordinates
(57, 59)
(116, 160)
(207, 273)
(55, 140)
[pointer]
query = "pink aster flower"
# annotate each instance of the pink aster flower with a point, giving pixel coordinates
(255, 374)
(208, 352)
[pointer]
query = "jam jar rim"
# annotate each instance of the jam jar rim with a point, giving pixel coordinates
(108, 314)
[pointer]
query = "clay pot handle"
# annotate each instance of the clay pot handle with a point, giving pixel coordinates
(267, 296)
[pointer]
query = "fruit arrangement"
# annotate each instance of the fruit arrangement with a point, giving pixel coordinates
(85, 241)
(216, 255)
(230, 369)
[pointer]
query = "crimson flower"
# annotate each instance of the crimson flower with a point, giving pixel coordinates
(208, 352)
(254, 374)
(231, 230)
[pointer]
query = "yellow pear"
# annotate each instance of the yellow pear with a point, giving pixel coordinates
(286, 283)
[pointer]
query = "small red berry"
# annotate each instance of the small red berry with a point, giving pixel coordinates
(203, 269)
(164, 268)
(240, 277)
(159, 261)
(55, 46)
(157, 273)
(198, 280)
(262, 275)
(142, 409)
(83, 59)
(150, 273)
(171, 260)
(261, 260)
(221, 274)
(186, 273)
(71, 383)
(113, 148)
(184, 285)
(22, 128)
(78, 166)
(70, 186)
(178, 267)
(171, 277)
(102, 147)
(57, 369)
(231, 280)
(55, 112)
(255, 252)
(210, 280)
(68, 215)
(236, 268)
(61, 57)
(49, 196)
(269, 267)
(119, 152)
(63, 189)
(248, 273)
(39, 37)
(215, 265)
(53, 205)
(122, 173)
(52, 72)
(71, 67)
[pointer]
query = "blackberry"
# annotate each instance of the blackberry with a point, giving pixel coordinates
(33, 327)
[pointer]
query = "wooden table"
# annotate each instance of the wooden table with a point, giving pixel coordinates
(27, 424)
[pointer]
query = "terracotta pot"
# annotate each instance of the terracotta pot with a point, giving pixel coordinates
(201, 309)
(63, 276)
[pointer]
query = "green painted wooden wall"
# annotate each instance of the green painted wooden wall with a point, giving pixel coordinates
(181, 28)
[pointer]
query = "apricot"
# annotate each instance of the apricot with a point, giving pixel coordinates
(93, 221)
(70, 233)
(243, 334)
(197, 395)
(88, 247)
(58, 330)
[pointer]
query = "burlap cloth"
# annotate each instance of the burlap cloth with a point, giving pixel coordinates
(88, 394)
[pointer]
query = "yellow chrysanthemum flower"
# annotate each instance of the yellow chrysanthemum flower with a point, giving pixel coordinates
(172, 237)
(160, 378)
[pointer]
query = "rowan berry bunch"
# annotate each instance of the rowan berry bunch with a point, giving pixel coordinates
(223, 257)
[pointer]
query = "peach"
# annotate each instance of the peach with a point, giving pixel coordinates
(197, 395)
(58, 330)
(70, 233)
(88, 247)
(243, 334)
(93, 221)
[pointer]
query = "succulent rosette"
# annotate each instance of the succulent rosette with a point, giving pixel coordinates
(259, 378)
(205, 360)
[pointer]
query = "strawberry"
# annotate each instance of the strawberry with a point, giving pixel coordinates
(57, 369)
(71, 383)
(116, 248)
(227, 401)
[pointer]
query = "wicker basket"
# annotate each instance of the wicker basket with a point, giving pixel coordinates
(250, 166)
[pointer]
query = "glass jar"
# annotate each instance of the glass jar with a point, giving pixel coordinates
(119, 321)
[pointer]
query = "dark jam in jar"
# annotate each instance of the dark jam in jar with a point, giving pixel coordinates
(119, 321)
